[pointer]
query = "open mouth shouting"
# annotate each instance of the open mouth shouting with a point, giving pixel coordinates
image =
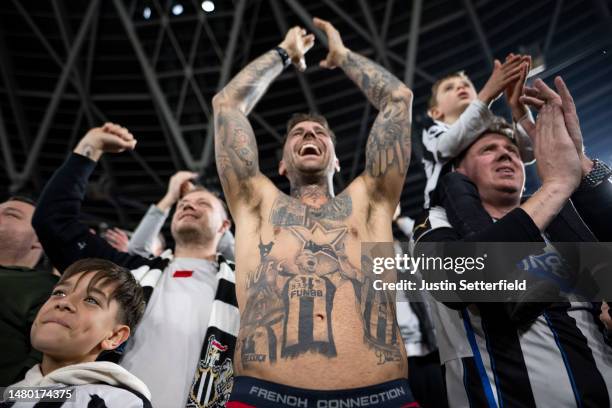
(309, 149)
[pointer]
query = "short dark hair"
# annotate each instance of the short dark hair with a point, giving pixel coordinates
(23, 199)
(498, 126)
(128, 292)
(308, 117)
(433, 100)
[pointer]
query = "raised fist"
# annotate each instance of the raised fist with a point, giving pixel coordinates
(110, 138)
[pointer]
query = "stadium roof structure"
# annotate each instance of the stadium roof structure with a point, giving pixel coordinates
(153, 66)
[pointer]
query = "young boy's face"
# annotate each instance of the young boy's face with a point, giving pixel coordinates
(75, 323)
(453, 96)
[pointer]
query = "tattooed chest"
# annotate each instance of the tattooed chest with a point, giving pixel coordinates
(292, 293)
(305, 240)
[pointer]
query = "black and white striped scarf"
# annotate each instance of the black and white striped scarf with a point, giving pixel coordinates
(214, 376)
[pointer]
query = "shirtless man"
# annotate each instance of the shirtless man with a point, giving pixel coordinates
(313, 331)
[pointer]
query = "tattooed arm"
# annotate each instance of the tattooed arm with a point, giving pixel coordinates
(235, 145)
(388, 146)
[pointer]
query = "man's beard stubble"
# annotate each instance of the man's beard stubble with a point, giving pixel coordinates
(193, 235)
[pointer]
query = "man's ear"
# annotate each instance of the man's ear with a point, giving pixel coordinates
(225, 226)
(119, 334)
(282, 168)
(461, 170)
(337, 165)
(435, 113)
(36, 244)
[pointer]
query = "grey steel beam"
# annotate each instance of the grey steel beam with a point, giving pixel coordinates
(603, 9)
(432, 25)
(133, 7)
(93, 35)
(76, 82)
(75, 131)
(132, 153)
(200, 98)
(173, 41)
(171, 148)
(263, 123)
(121, 97)
(284, 27)
(195, 41)
(86, 102)
(413, 42)
(380, 49)
(226, 67)
(378, 43)
(66, 36)
(552, 27)
(250, 35)
(42, 94)
(213, 39)
(7, 153)
(39, 34)
(384, 29)
(57, 94)
(307, 20)
(8, 77)
(153, 84)
(56, 58)
(163, 23)
(469, 7)
(186, 67)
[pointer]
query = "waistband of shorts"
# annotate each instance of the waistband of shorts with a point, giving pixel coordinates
(266, 394)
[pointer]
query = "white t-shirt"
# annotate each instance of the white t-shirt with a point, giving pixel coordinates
(166, 346)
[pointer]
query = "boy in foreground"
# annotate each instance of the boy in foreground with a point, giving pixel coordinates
(93, 308)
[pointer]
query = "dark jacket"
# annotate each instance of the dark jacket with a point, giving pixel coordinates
(22, 292)
(587, 217)
(56, 220)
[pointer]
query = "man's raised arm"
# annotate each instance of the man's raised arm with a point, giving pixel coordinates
(235, 145)
(388, 146)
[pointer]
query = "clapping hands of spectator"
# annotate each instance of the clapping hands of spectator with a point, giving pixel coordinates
(541, 94)
(516, 89)
(503, 75)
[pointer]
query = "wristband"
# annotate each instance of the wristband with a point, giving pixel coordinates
(599, 173)
(283, 56)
